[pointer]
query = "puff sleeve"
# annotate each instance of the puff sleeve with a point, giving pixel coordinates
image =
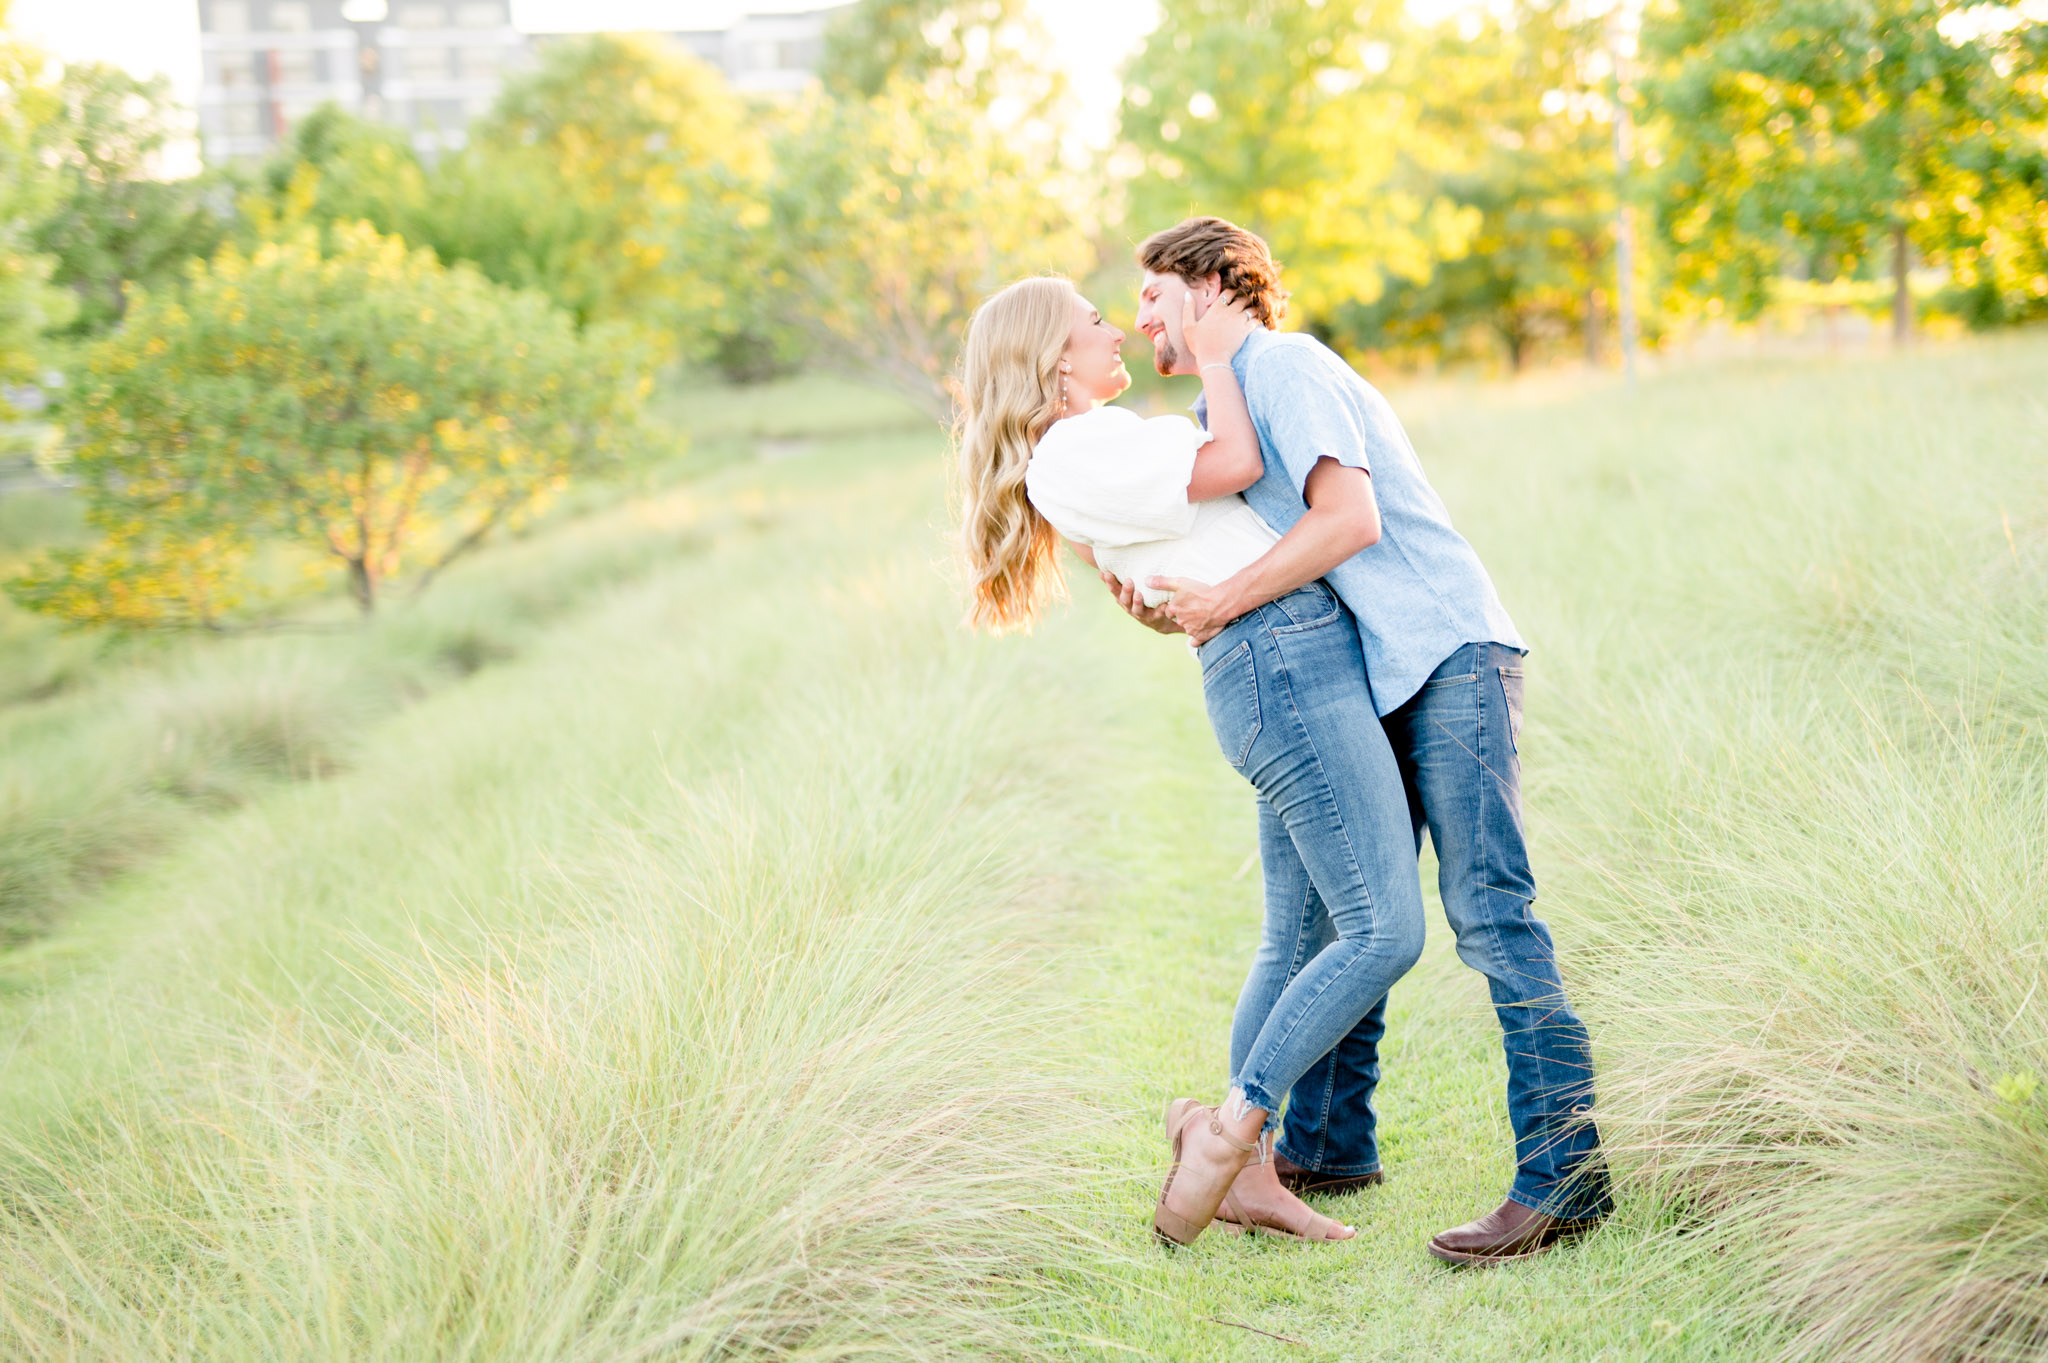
(1111, 477)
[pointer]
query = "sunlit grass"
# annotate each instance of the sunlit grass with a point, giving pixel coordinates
(690, 944)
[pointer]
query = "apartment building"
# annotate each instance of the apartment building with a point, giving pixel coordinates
(427, 66)
(766, 54)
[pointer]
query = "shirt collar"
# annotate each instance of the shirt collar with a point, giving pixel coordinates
(1246, 351)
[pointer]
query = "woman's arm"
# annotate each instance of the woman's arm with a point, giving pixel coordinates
(1231, 461)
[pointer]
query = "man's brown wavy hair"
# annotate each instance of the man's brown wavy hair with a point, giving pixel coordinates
(1200, 247)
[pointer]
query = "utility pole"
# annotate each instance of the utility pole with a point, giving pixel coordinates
(1621, 44)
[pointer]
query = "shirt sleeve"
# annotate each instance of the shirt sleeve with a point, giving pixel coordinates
(1304, 413)
(1117, 483)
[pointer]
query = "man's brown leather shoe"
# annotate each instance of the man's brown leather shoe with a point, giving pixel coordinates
(1509, 1231)
(1298, 1180)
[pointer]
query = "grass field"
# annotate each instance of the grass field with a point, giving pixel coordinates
(675, 938)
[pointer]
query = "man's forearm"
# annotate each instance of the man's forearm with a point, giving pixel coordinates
(1319, 541)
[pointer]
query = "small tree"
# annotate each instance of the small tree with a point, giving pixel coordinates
(1515, 105)
(615, 177)
(1302, 123)
(368, 403)
(31, 115)
(115, 222)
(1837, 136)
(894, 216)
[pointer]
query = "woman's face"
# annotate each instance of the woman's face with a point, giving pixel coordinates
(1094, 359)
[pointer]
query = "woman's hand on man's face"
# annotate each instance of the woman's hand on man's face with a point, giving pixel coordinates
(1215, 336)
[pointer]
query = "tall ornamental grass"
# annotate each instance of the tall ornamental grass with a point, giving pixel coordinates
(745, 1056)
(1788, 750)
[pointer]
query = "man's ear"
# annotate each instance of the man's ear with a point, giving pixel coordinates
(1208, 287)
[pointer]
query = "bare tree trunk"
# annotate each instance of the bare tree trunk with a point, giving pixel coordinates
(1621, 42)
(1518, 348)
(1902, 294)
(360, 586)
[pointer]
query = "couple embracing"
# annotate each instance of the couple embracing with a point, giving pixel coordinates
(1359, 672)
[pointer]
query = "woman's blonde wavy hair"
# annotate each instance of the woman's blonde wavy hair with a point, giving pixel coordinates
(1009, 394)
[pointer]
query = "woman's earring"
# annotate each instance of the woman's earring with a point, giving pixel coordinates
(1063, 395)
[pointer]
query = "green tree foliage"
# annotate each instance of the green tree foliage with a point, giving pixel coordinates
(338, 168)
(620, 177)
(114, 222)
(30, 114)
(1303, 123)
(894, 216)
(362, 401)
(1516, 106)
(1830, 137)
(980, 51)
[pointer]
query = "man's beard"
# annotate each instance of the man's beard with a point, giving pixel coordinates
(1165, 358)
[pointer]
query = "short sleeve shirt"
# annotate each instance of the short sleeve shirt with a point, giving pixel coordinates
(1420, 593)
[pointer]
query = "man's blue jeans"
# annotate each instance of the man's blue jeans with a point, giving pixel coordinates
(1456, 742)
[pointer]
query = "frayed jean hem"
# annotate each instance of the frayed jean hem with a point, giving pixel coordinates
(1244, 1096)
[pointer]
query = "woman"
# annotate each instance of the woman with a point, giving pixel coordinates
(1042, 457)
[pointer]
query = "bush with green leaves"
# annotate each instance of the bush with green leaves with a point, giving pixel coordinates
(365, 403)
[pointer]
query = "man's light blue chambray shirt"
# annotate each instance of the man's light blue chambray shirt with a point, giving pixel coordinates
(1419, 593)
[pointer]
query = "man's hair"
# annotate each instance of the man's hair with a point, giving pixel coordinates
(1200, 247)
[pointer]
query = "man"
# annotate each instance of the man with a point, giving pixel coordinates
(1444, 664)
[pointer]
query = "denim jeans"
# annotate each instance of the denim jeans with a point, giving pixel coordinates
(1286, 691)
(1456, 742)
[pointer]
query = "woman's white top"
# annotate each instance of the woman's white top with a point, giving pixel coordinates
(1118, 483)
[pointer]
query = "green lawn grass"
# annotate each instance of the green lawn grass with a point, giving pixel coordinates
(726, 956)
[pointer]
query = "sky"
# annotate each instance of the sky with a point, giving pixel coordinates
(1090, 37)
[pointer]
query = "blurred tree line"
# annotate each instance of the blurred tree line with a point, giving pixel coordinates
(1446, 190)
(1454, 188)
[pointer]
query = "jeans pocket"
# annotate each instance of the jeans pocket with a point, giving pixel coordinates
(1230, 688)
(1511, 696)
(1313, 604)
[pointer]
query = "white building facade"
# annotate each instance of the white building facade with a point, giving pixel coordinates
(766, 54)
(426, 66)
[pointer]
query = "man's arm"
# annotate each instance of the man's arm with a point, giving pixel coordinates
(1343, 517)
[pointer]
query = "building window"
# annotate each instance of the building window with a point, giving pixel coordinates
(291, 16)
(234, 70)
(241, 120)
(481, 63)
(423, 16)
(481, 14)
(427, 63)
(229, 16)
(294, 66)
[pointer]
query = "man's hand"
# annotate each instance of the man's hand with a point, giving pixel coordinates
(1126, 594)
(1199, 609)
